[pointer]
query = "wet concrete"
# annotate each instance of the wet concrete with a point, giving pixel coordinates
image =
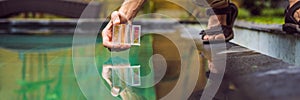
(260, 77)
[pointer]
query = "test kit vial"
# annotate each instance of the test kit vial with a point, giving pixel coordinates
(124, 75)
(126, 34)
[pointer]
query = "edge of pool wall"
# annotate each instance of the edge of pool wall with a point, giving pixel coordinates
(268, 39)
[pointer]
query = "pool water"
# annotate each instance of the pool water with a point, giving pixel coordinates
(41, 67)
(37, 67)
(30, 72)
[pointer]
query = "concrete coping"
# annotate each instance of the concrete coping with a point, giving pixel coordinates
(270, 28)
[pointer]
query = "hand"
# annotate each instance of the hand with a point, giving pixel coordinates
(117, 18)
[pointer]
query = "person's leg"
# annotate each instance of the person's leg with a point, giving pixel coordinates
(213, 21)
(292, 17)
(297, 13)
(216, 20)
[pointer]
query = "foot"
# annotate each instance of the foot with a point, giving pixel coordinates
(220, 24)
(215, 20)
(292, 18)
(297, 13)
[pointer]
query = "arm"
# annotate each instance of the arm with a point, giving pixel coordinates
(125, 14)
(130, 8)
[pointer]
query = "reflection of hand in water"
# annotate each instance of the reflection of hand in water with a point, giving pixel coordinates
(119, 87)
(106, 74)
(116, 73)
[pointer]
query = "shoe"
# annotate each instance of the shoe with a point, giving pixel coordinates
(291, 25)
(231, 12)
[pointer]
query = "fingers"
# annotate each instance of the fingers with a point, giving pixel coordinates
(116, 19)
(124, 46)
(114, 47)
(120, 47)
(107, 35)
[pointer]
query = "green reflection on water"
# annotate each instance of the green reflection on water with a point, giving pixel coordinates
(47, 74)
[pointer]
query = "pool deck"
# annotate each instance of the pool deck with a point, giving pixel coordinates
(260, 77)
